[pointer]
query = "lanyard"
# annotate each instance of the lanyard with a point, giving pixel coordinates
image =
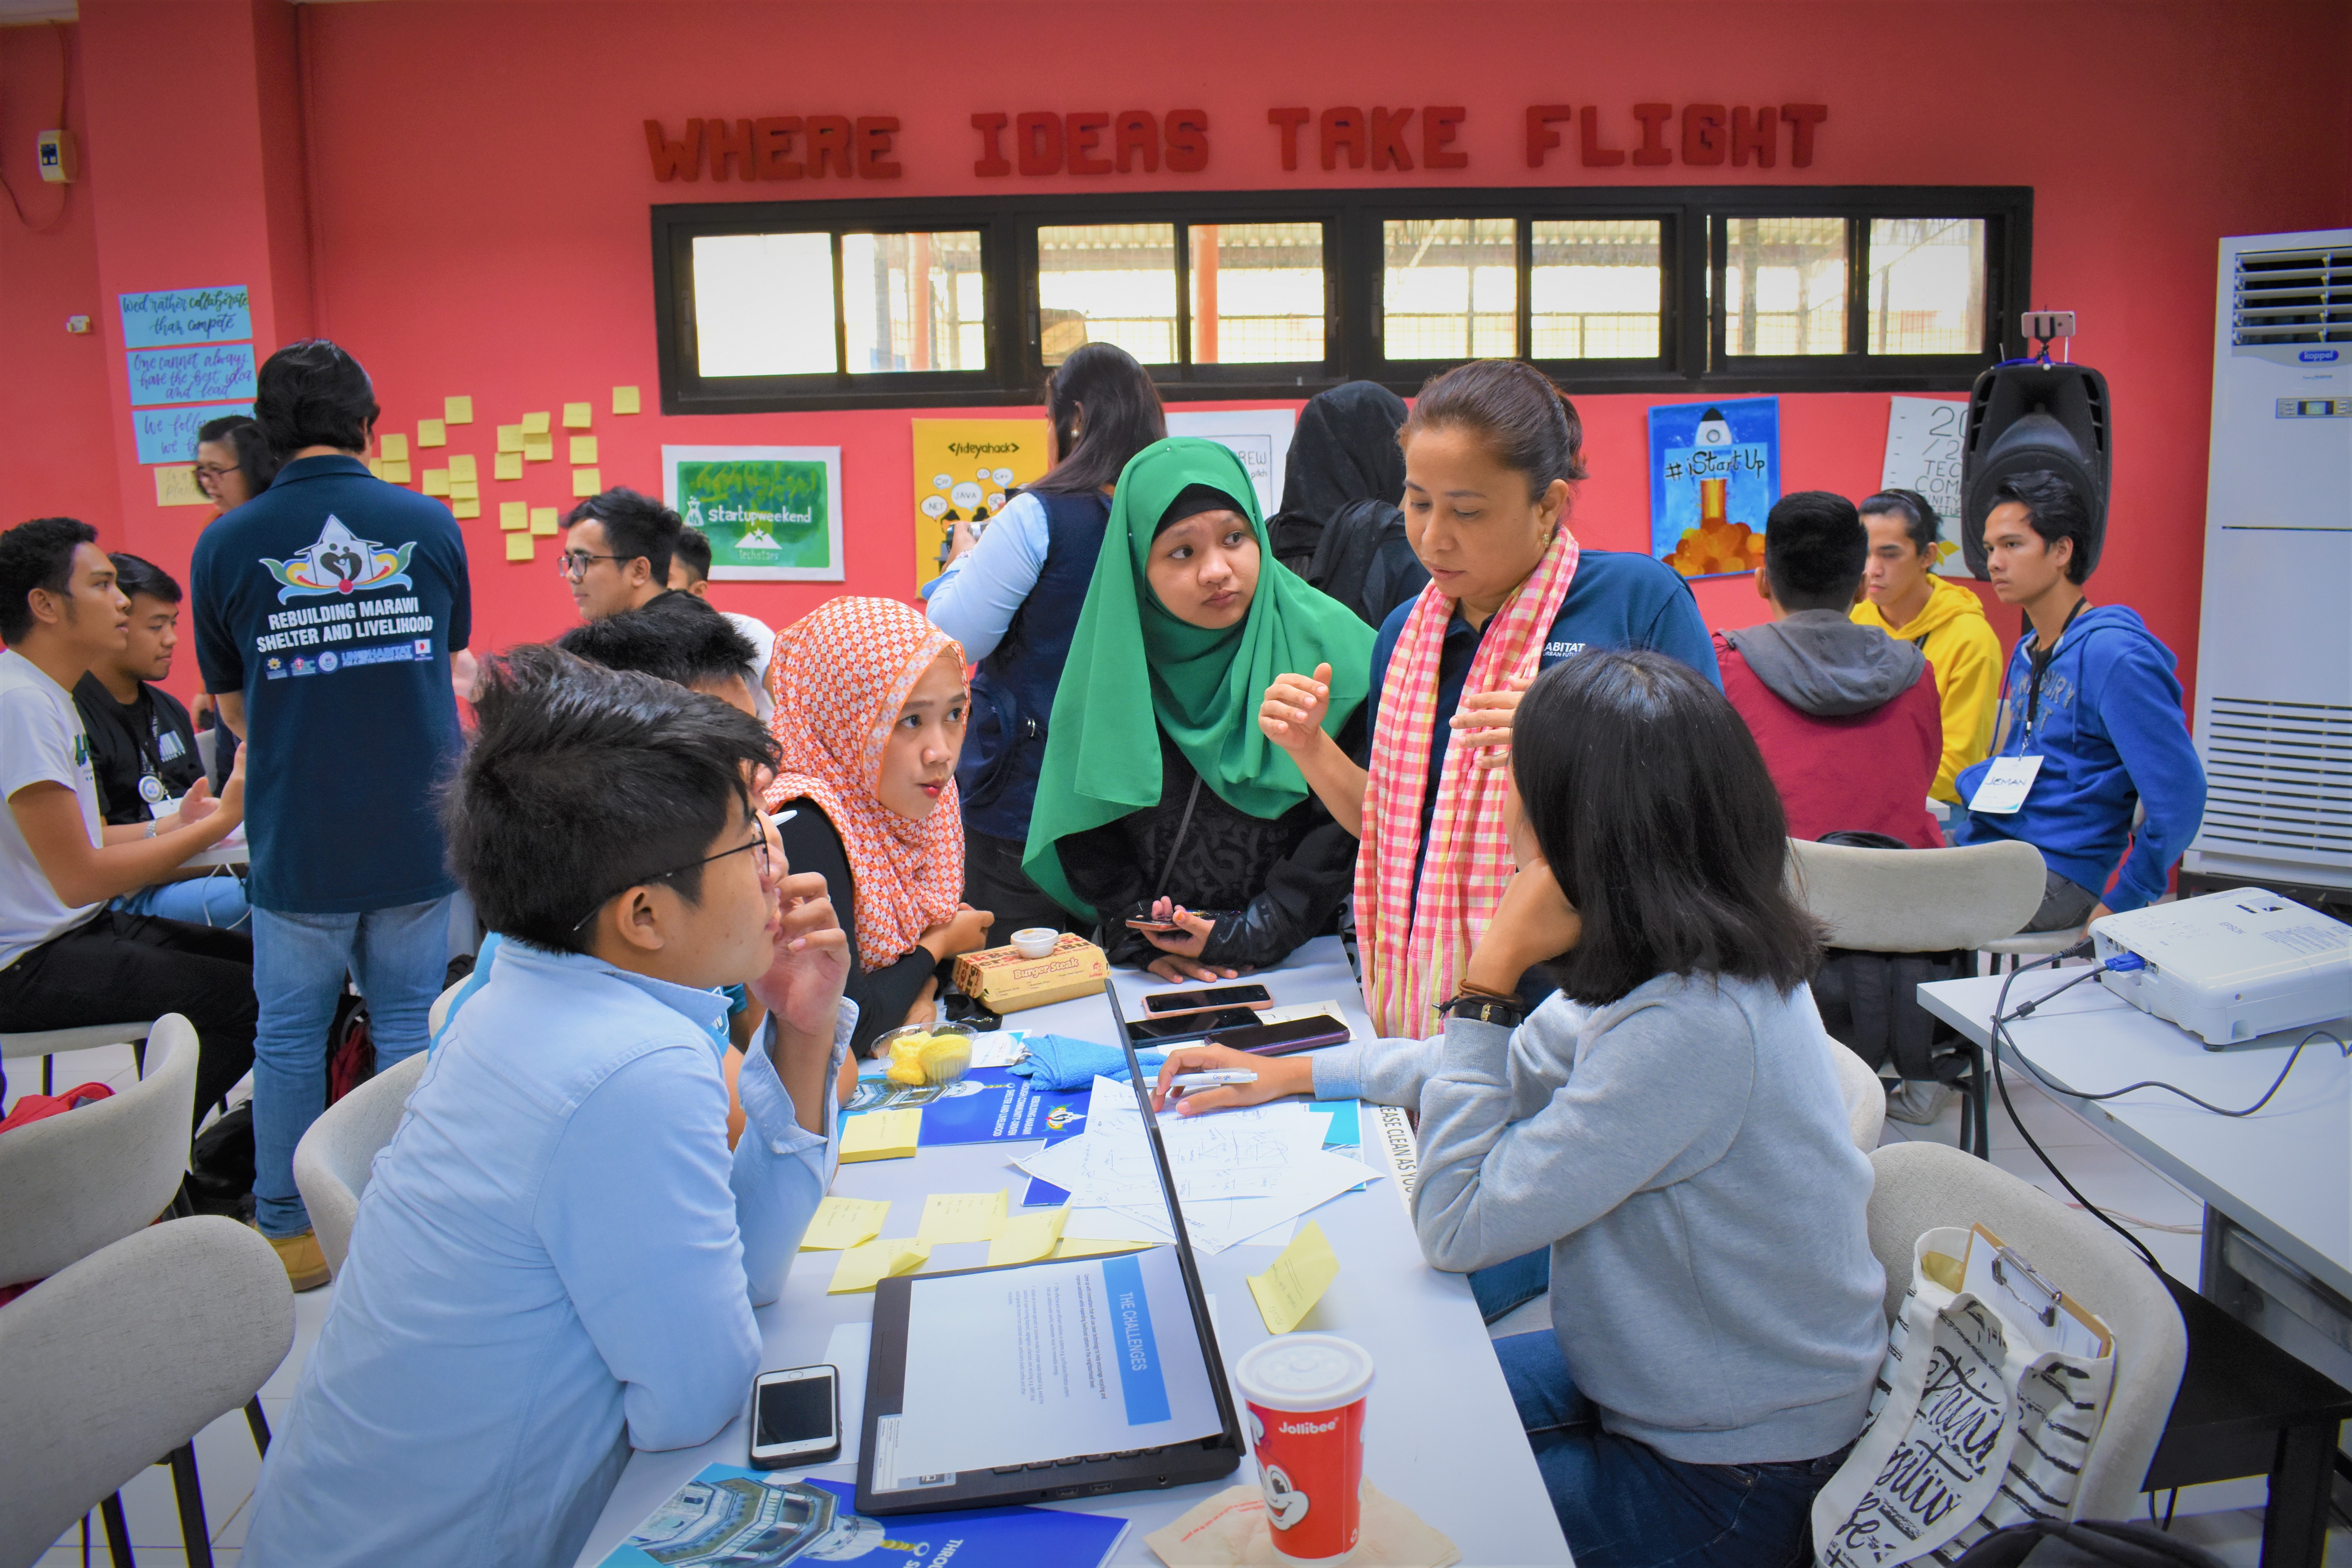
(2042, 662)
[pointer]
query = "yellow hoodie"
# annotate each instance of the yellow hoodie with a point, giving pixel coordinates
(1961, 648)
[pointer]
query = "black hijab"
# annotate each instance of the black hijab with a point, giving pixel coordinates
(1344, 451)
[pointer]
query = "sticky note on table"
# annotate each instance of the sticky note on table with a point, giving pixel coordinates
(962, 1216)
(465, 511)
(393, 470)
(509, 437)
(534, 423)
(175, 485)
(464, 489)
(840, 1223)
(1288, 1291)
(1027, 1237)
(542, 520)
(394, 447)
(514, 514)
(436, 481)
(507, 465)
(539, 448)
(461, 467)
(586, 481)
(881, 1135)
(1081, 1247)
(863, 1267)
(624, 400)
(520, 547)
(583, 448)
(576, 416)
(432, 433)
(458, 411)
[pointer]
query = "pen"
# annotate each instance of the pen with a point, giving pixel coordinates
(1212, 1079)
(783, 817)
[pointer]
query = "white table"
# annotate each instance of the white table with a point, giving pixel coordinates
(2284, 1174)
(1443, 1435)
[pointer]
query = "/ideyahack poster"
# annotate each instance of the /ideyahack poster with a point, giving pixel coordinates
(963, 468)
(772, 513)
(1715, 472)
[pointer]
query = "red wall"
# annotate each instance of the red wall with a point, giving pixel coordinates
(476, 185)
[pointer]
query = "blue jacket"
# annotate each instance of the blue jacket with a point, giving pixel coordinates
(2111, 736)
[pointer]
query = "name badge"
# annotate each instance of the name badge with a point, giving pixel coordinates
(169, 748)
(2005, 785)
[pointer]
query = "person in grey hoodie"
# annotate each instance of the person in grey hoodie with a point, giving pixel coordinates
(1668, 1122)
(1847, 717)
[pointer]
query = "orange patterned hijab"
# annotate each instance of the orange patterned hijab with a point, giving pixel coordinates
(839, 679)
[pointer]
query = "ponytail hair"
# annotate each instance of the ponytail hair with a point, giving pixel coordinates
(1524, 418)
(1919, 515)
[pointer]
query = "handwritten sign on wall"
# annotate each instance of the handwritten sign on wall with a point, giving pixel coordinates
(167, 317)
(215, 373)
(169, 434)
(1923, 454)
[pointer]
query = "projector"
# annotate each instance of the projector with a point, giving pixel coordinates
(2231, 967)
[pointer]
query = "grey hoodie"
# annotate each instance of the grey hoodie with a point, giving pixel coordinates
(1822, 663)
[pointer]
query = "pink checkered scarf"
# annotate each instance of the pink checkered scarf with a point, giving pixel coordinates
(1414, 949)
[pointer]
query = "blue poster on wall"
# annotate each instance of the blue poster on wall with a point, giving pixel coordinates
(1715, 472)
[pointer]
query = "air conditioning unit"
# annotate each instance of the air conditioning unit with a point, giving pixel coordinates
(2275, 650)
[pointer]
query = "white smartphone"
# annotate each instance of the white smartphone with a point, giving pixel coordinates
(795, 1418)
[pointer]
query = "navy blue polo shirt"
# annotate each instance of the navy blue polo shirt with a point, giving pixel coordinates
(332, 601)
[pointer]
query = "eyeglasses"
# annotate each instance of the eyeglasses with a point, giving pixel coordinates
(572, 565)
(211, 473)
(757, 847)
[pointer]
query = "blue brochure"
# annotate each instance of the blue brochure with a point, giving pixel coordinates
(987, 1105)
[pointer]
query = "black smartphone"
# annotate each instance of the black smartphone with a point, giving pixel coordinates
(1166, 1004)
(1280, 1039)
(1188, 1026)
(795, 1418)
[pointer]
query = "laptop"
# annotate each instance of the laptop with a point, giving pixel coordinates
(883, 1491)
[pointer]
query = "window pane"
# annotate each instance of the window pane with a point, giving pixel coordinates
(903, 299)
(1784, 285)
(1593, 289)
(1450, 288)
(1258, 292)
(764, 304)
(1107, 283)
(1927, 285)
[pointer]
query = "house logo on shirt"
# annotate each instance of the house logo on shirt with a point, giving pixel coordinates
(341, 563)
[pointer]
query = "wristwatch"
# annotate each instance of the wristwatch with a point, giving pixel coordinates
(1508, 1012)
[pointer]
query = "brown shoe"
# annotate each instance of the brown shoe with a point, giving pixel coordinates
(305, 1263)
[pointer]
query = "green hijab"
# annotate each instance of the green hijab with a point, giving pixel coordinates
(1134, 670)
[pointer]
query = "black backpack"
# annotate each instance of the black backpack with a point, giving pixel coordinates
(1870, 1001)
(1361, 557)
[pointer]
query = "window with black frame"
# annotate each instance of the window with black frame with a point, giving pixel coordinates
(1672, 290)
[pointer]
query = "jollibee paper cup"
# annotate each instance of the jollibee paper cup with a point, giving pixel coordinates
(1306, 1397)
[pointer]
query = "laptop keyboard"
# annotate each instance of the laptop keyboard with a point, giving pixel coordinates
(1079, 1459)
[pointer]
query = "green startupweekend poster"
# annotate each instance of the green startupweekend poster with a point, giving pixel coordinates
(772, 513)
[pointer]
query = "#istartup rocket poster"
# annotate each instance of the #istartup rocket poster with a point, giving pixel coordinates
(1715, 472)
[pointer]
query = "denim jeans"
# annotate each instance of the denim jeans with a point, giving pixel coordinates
(397, 957)
(1623, 1504)
(1514, 1282)
(217, 901)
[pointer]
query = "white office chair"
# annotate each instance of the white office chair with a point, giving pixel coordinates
(78, 1181)
(1866, 1096)
(207, 747)
(47, 1043)
(1923, 1185)
(118, 1361)
(332, 1162)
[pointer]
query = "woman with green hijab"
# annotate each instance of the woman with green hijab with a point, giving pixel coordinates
(1159, 796)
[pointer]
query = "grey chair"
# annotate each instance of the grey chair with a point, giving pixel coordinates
(123, 1357)
(1866, 1096)
(47, 1044)
(1923, 1185)
(331, 1163)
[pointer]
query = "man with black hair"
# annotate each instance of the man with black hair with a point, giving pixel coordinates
(326, 611)
(143, 745)
(559, 1255)
(689, 572)
(1846, 716)
(2091, 726)
(676, 637)
(617, 552)
(66, 959)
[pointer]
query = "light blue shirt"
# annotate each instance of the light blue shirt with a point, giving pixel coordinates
(975, 599)
(555, 1260)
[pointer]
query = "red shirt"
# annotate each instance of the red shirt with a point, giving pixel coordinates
(1863, 772)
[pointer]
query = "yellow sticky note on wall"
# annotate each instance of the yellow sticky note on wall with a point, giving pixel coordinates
(514, 514)
(840, 1223)
(464, 489)
(863, 1267)
(393, 470)
(465, 511)
(462, 466)
(534, 423)
(1027, 1237)
(457, 410)
(507, 465)
(881, 1135)
(394, 446)
(962, 1216)
(576, 416)
(624, 400)
(586, 481)
(509, 437)
(175, 485)
(1289, 1289)
(543, 520)
(436, 481)
(432, 433)
(539, 448)
(520, 547)
(583, 448)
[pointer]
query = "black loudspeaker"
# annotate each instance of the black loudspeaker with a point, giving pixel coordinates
(2028, 415)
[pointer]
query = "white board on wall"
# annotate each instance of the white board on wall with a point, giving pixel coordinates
(1923, 440)
(1260, 437)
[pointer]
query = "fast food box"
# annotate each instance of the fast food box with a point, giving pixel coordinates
(1001, 981)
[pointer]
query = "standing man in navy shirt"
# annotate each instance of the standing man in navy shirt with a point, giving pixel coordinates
(326, 611)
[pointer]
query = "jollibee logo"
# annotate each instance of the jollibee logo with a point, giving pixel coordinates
(1296, 1428)
(1285, 1505)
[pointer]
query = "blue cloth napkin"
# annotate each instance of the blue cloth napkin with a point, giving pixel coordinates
(1058, 1062)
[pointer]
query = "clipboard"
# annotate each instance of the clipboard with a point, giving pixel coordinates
(1996, 1272)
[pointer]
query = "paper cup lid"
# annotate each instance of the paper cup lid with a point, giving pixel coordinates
(1304, 1371)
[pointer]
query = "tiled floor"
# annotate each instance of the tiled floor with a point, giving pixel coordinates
(2225, 1519)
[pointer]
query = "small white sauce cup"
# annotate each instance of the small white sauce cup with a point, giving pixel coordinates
(1035, 942)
